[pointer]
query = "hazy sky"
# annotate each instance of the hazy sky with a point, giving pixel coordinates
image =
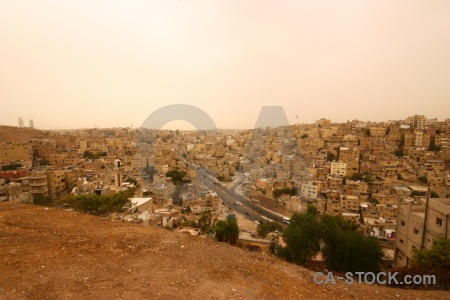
(74, 64)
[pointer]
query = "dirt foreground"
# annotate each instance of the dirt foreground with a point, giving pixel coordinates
(48, 253)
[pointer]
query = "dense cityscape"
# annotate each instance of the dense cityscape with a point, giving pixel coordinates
(391, 180)
(224, 149)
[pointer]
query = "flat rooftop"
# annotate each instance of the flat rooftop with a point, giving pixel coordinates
(190, 230)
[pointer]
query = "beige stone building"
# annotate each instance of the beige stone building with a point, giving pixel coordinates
(418, 226)
(323, 122)
(38, 183)
(377, 131)
(338, 168)
(56, 184)
(349, 204)
(442, 140)
(16, 152)
(310, 189)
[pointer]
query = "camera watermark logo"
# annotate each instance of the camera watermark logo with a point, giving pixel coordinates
(371, 278)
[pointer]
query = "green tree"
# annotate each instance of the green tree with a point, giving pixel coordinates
(42, 200)
(434, 261)
(343, 244)
(374, 201)
(98, 205)
(434, 194)
(150, 171)
(45, 162)
(11, 167)
(433, 147)
(362, 177)
(399, 152)
(223, 178)
(227, 231)
(331, 156)
(91, 155)
(311, 210)
(132, 180)
(178, 177)
(439, 254)
(205, 221)
(286, 190)
(264, 228)
(418, 193)
(423, 179)
(302, 237)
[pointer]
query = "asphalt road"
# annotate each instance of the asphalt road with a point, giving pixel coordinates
(246, 207)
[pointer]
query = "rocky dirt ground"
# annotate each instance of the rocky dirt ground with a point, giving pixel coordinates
(57, 254)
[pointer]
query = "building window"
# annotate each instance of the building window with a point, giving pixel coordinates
(401, 241)
(438, 221)
(416, 231)
(402, 222)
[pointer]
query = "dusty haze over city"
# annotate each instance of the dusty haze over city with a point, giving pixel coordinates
(81, 64)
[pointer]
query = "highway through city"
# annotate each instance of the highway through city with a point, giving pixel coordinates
(245, 207)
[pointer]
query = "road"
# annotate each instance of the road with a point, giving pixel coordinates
(246, 207)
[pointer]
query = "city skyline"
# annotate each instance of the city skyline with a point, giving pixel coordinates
(83, 64)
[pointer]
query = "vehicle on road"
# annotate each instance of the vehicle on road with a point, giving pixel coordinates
(247, 213)
(286, 220)
(256, 222)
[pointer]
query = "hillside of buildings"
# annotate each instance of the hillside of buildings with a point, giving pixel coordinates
(391, 179)
(10, 134)
(49, 253)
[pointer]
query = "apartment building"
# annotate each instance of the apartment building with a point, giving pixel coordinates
(163, 192)
(442, 140)
(338, 168)
(356, 188)
(418, 226)
(349, 204)
(420, 121)
(349, 153)
(417, 139)
(56, 182)
(388, 165)
(16, 152)
(309, 189)
(334, 183)
(64, 159)
(323, 122)
(326, 133)
(71, 176)
(38, 183)
(394, 133)
(350, 140)
(377, 131)
(352, 166)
